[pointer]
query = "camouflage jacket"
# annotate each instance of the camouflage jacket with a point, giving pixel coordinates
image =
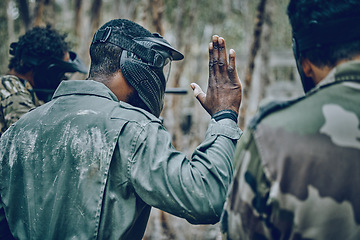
(297, 167)
(16, 100)
(86, 166)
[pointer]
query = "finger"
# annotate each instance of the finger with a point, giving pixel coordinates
(198, 93)
(211, 63)
(215, 60)
(222, 55)
(232, 65)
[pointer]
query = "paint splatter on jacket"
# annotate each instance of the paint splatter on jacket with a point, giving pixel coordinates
(87, 166)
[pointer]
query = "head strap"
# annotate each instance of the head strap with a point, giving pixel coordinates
(148, 55)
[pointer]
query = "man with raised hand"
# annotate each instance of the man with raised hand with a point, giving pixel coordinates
(93, 161)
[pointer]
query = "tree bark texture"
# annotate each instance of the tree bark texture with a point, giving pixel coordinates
(38, 13)
(95, 15)
(23, 6)
(49, 16)
(184, 44)
(157, 9)
(251, 62)
(265, 51)
(10, 23)
(78, 17)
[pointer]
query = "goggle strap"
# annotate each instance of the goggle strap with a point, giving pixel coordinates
(148, 55)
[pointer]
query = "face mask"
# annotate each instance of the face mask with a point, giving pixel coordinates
(148, 79)
(145, 63)
(48, 73)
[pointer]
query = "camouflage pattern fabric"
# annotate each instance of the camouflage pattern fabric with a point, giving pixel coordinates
(297, 168)
(16, 100)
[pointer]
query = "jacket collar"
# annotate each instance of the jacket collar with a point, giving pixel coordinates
(348, 71)
(84, 87)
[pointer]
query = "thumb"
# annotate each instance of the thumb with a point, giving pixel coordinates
(198, 93)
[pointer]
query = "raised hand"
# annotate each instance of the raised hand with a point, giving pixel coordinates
(224, 87)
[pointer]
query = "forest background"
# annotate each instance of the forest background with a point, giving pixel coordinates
(258, 31)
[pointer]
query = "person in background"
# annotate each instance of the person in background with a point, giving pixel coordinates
(93, 161)
(39, 61)
(297, 166)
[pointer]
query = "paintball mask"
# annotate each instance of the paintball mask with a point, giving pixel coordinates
(145, 63)
(49, 72)
(319, 34)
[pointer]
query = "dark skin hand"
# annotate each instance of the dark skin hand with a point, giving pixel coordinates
(224, 87)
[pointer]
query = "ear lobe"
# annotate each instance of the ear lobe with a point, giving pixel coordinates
(307, 67)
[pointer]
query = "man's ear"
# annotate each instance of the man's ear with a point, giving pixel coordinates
(307, 67)
(314, 72)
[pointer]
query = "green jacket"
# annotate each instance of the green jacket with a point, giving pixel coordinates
(297, 168)
(15, 100)
(86, 166)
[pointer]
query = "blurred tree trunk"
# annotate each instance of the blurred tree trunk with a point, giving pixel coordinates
(86, 31)
(157, 9)
(265, 50)
(10, 23)
(23, 6)
(159, 225)
(38, 13)
(78, 17)
(95, 15)
(251, 62)
(152, 15)
(126, 9)
(6, 26)
(183, 31)
(44, 13)
(49, 16)
(145, 14)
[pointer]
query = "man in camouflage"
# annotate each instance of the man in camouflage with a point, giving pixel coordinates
(40, 59)
(297, 167)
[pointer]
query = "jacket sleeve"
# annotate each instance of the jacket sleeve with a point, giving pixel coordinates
(193, 189)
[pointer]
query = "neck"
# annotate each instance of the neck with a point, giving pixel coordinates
(356, 58)
(319, 73)
(117, 84)
(27, 76)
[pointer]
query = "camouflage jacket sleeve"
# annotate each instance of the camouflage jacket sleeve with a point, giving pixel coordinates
(16, 100)
(247, 200)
